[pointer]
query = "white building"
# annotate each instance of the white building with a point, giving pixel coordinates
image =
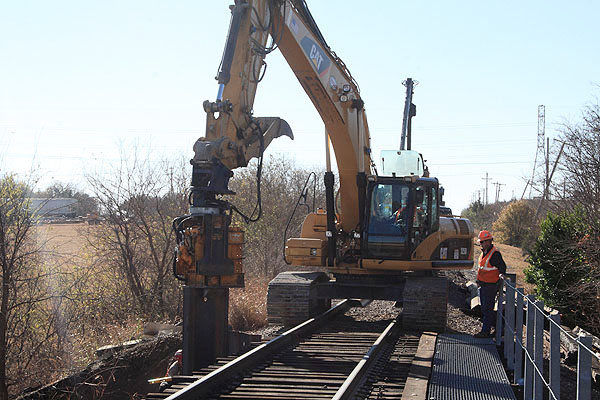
(55, 207)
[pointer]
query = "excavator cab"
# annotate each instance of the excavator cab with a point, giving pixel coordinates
(401, 213)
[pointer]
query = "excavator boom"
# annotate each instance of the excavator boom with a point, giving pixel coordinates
(378, 225)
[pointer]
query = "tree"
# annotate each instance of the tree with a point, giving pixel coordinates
(281, 185)
(579, 168)
(565, 269)
(571, 259)
(86, 204)
(516, 225)
(139, 201)
(28, 320)
(482, 217)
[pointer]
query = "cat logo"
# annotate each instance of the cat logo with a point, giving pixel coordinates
(318, 58)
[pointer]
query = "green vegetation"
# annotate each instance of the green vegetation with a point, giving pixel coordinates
(564, 268)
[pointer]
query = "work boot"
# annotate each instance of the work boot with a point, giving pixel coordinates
(482, 335)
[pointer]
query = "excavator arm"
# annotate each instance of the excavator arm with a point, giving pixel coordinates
(351, 241)
(335, 95)
(234, 135)
(207, 248)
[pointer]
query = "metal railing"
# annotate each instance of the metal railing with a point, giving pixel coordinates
(509, 326)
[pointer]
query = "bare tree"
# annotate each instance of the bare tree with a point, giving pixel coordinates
(28, 329)
(569, 246)
(579, 181)
(281, 185)
(139, 201)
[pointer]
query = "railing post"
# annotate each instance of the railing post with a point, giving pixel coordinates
(509, 327)
(584, 368)
(518, 375)
(555, 354)
(528, 389)
(499, 313)
(538, 382)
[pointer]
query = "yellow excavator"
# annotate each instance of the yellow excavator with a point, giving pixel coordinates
(380, 237)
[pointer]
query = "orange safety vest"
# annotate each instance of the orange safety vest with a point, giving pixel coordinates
(487, 272)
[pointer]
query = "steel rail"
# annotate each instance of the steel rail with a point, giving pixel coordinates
(360, 372)
(209, 383)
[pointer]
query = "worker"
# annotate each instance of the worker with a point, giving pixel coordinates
(382, 203)
(489, 272)
(174, 369)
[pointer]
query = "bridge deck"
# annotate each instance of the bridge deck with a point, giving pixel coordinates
(467, 368)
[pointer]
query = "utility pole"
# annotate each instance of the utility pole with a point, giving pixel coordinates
(547, 180)
(410, 110)
(486, 187)
(497, 184)
(498, 189)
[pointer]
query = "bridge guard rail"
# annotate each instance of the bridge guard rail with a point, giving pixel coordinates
(509, 327)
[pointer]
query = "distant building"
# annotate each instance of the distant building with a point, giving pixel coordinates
(52, 208)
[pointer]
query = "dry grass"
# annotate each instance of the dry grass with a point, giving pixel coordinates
(64, 251)
(248, 306)
(63, 239)
(85, 346)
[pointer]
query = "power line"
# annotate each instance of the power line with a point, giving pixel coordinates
(479, 163)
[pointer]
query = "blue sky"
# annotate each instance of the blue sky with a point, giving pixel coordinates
(79, 80)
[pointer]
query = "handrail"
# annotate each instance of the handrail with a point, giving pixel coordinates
(533, 378)
(562, 330)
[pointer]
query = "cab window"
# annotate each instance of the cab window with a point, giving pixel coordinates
(388, 219)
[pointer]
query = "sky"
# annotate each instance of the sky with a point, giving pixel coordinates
(81, 81)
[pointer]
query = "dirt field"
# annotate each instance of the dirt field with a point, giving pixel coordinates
(63, 239)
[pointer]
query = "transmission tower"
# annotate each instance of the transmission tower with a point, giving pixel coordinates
(540, 152)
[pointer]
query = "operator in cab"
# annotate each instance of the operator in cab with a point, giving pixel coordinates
(388, 216)
(490, 270)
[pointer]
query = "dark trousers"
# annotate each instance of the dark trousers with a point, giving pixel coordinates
(487, 296)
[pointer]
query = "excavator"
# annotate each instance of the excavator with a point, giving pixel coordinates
(380, 236)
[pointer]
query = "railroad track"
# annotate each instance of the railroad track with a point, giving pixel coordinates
(332, 356)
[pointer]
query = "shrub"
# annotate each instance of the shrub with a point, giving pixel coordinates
(516, 225)
(564, 266)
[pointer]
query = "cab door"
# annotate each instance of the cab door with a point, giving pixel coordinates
(387, 220)
(425, 219)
